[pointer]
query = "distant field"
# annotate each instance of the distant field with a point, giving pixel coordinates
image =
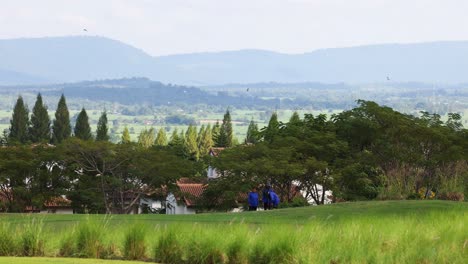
(136, 124)
(361, 232)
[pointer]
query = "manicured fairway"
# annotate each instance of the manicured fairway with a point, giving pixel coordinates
(300, 215)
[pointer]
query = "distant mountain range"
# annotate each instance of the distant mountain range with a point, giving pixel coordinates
(71, 59)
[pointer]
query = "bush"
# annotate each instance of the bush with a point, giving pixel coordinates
(134, 243)
(296, 202)
(413, 196)
(452, 196)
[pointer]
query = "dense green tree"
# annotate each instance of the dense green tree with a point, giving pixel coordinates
(125, 136)
(200, 134)
(175, 139)
(225, 137)
(102, 131)
(40, 122)
(206, 141)
(215, 132)
(61, 126)
(19, 123)
(252, 136)
(272, 130)
(190, 143)
(82, 129)
(161, 138)
(147, 138)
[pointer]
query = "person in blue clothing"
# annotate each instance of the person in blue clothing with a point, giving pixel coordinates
(253, 200)
(274, 199)
(266, 198)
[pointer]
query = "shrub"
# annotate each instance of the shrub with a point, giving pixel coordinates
(413, 196)
(452, 196)
(134, 243)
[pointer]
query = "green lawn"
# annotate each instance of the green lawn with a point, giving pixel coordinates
(360, 232)
(300, 215)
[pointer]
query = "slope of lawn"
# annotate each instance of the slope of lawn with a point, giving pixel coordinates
(299, 215)
(360, 232)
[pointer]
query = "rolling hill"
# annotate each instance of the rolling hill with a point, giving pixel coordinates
(71, 59)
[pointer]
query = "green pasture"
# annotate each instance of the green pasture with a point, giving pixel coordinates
(360, 232)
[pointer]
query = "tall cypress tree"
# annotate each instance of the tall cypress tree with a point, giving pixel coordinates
(206, 141)
(82, 128)
(146, 138)
(252, 133)
(161, 138)
(295, 119)
(61, 126)
(40, 122)
(190, 143)
(125, 136)
(225, 134)
(102, 129)
(272, 129)
(19, 123)
(215, 133)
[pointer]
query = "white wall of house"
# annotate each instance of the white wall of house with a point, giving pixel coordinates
(212, 173)
(153, 204)
(172, 207)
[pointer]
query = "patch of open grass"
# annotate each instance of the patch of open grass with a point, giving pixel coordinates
(364, 232)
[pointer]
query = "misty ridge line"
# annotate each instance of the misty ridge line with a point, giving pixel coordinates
(79, 58)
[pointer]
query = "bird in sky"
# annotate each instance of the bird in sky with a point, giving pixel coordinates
(84, 29)
(248, 89)
(388, 78)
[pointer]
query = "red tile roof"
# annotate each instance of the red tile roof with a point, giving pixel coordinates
(216, 151)
(190, 192)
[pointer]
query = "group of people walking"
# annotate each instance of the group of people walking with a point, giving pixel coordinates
(269, 198)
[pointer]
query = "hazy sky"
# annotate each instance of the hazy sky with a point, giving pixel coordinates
(291, 26)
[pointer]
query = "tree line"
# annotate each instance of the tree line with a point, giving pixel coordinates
(368, 152)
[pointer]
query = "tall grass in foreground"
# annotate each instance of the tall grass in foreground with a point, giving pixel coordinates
(134, 244)
(427, 238)
(88, 240)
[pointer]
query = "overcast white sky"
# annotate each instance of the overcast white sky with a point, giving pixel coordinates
(292, 26)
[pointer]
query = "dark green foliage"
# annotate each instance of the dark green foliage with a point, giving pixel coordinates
(61, 126)
(272, 130)
(19, 124)
(82, 129)
(252, 136)
(225, 137)
(40, 122)
(102, 129)
(215, 133)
